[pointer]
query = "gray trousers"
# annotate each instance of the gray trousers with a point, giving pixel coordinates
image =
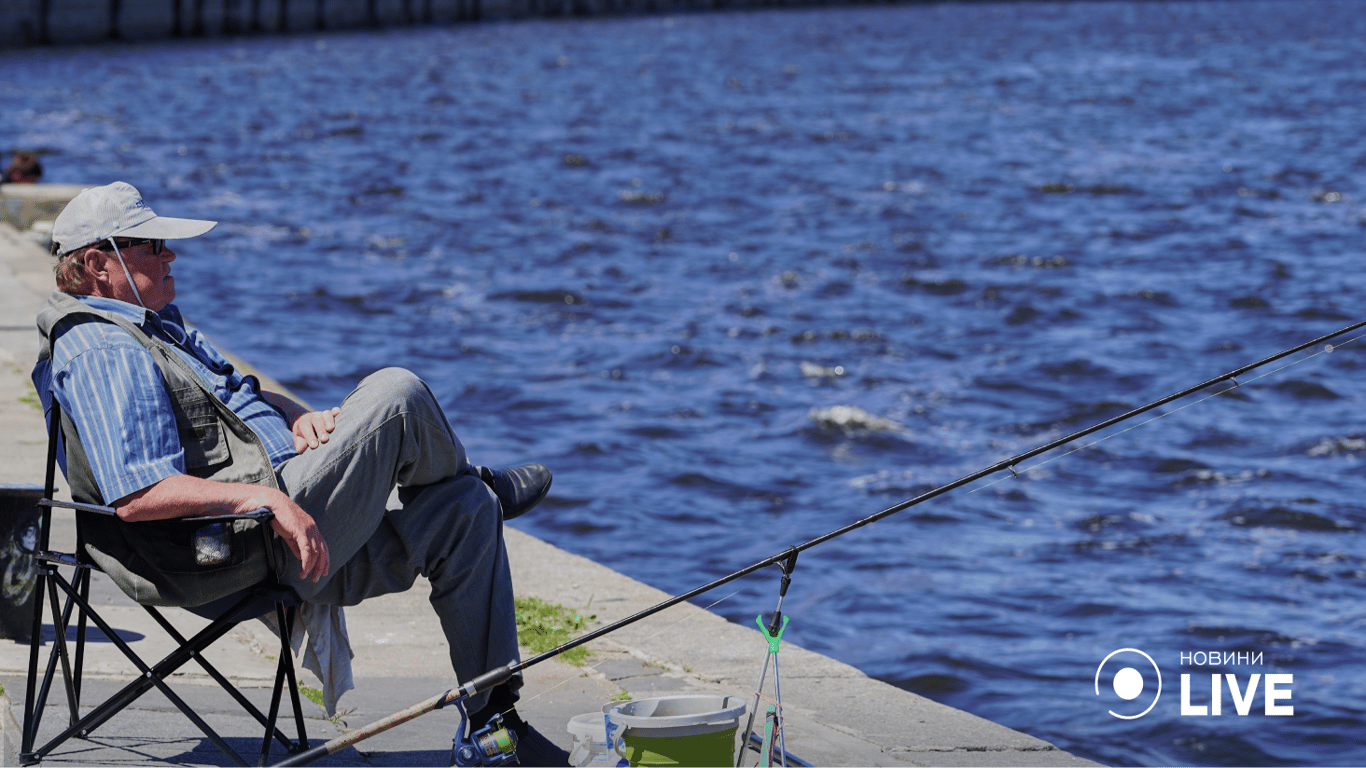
(443, 523)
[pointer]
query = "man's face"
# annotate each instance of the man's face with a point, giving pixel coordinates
(150, 270)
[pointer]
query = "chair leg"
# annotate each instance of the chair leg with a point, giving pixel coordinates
(36, 702)
(284, 677)
(150, 677)
(60, 649)
(59, 652)
(274, 713)
(288, 658)
(282, 617)
(32, 714)
(72, 673)
(83, 576)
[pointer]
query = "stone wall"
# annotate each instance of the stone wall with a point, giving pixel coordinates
(59, 22)
(37, 22)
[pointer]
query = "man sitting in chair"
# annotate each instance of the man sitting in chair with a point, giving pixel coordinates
(366, 496)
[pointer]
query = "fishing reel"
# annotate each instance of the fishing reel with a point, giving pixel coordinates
(493, 744)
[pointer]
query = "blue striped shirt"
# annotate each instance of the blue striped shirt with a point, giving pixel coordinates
(111, 387)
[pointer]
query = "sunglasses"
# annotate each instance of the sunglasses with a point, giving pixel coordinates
(157, 245)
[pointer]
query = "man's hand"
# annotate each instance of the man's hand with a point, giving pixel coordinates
(313, 428)
(301, 535)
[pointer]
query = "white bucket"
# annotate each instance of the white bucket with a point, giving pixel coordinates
(590, 741)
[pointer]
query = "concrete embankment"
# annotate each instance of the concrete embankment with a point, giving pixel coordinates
(835, 715)
(49, 22)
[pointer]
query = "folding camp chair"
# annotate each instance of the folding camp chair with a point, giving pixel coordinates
(76, 589)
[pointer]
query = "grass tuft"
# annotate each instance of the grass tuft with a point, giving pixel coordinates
(543, 626)
(316, 696)
(312, 694)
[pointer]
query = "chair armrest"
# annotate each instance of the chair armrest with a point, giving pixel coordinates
(260, 513)
(79, 507)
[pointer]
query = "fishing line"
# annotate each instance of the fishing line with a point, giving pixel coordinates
(496, 676)
(1327, 349)
(502, 674)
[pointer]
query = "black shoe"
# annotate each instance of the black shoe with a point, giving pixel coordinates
(518, 488)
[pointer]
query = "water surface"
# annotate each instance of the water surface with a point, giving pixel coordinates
(743, 278)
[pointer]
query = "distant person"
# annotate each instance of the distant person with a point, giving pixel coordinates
(327, 475)
(24, 169)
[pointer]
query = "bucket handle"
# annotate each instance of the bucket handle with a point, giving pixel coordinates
(614, 744)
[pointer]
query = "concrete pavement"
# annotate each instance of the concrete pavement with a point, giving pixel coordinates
(835, 715)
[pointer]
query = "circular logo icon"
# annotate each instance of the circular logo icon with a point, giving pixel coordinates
(1128, 683)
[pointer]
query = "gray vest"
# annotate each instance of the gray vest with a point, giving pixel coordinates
(154, 561)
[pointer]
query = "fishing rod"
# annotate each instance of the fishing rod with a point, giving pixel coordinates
(788, 557)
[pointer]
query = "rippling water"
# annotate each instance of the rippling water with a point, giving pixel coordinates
(743, 278)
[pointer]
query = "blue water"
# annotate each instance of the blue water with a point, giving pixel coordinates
(743, 278)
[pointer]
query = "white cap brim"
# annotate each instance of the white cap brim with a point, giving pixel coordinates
(168, 228)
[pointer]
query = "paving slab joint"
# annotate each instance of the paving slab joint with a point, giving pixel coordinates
(649, 660)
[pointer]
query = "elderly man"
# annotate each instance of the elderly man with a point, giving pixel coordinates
(366, 496)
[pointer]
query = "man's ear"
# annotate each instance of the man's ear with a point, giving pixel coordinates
(96, 264)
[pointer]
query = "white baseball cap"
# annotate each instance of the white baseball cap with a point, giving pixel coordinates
(117, 209)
